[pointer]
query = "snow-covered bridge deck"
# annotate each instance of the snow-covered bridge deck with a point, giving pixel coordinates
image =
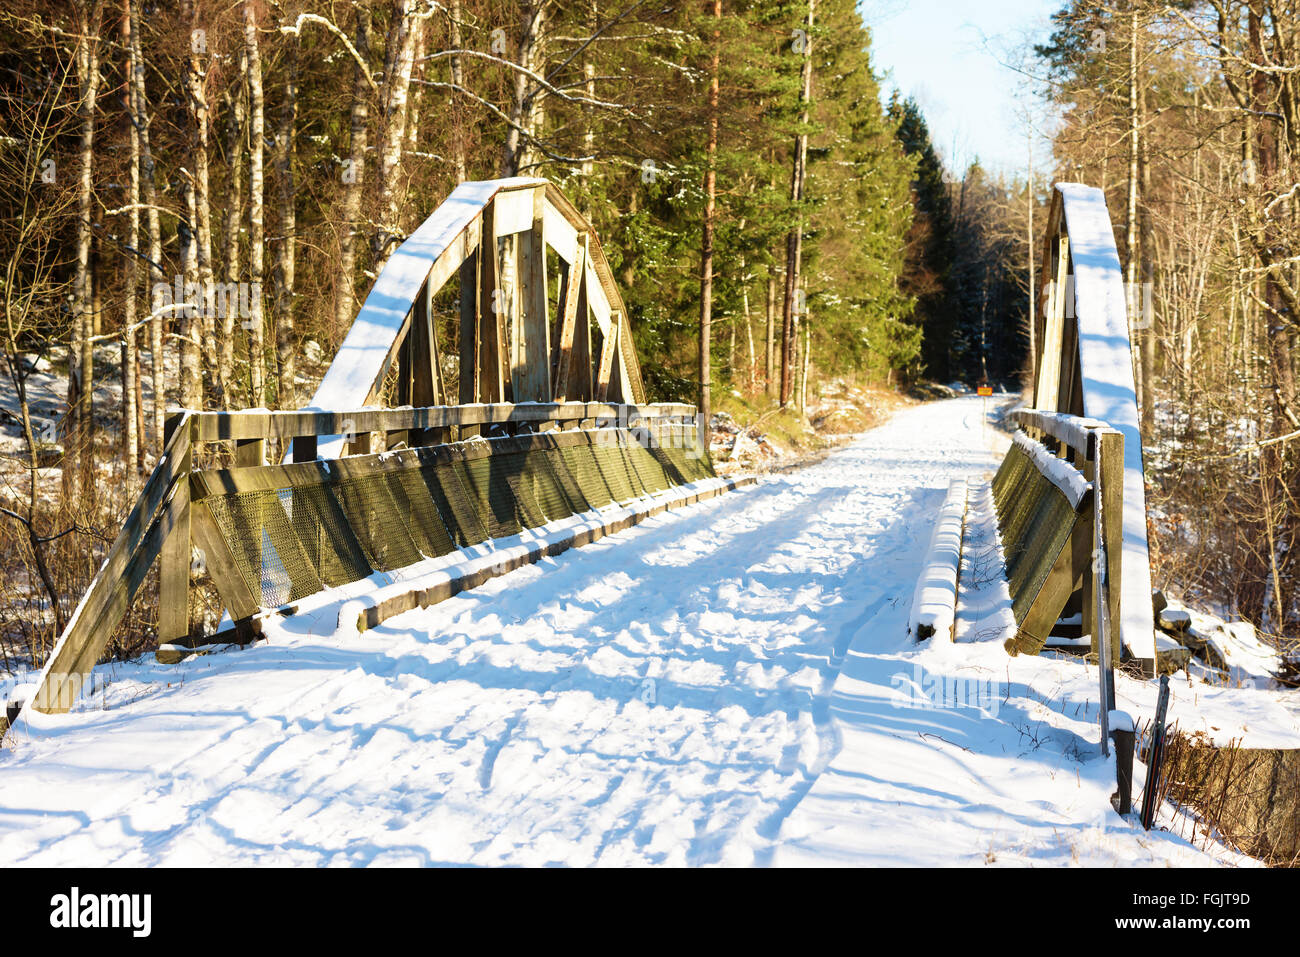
(730, 683)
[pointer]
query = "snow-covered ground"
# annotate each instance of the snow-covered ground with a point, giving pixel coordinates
(730, 683)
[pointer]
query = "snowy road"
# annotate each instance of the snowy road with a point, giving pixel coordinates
(724, 684)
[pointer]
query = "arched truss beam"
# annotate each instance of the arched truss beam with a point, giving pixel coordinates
(506, 239)
(1083, 366)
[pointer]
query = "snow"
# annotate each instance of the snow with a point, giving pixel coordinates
(1120, 721)
(1109, 393)
(1056, 470)
(360, 358)
(1250, 662)
(935, 599)
(728, 683)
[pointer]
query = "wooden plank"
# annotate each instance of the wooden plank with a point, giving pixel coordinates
(1047, 605)
(1111, 452)
(568, 322)
(469, 329)
(596, 299)
(579, 383)
(607, 350)
(514, 210)
(561, 235)
(1046, 395)
(491, 313)
(250, 453)
(119, 579)
(283, 426)
(449, 262)
(76, 660)
(174, 561)
(532, 373)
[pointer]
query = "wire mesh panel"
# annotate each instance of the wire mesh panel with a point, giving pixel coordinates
(1049, 534)
(581, 462)
(424, 520)
(493, 500)
(548, 490)
(513, 468)
(322, 528)
(647, 467)
(379, 524)
(612, 468)
(454, 502)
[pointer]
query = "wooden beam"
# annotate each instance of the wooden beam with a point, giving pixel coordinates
(491, 336)
(174, 556)
(469, 329)
(1047, 393)
(1111, 450)
(607, 350)
(532, 374)
(569, 320)
(579, 385)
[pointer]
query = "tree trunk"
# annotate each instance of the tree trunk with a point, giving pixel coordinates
(286, 253)
(157, 370)
(769, 368)
(515, 157)
(81, 359)
(130, 359)
(256, 224)
(354, 178)
(794, 242)
(706, 251)
(397, 83)
(458, 78)
(201, 222)
(234, 217)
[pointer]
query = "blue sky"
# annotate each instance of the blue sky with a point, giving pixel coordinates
(946, 53)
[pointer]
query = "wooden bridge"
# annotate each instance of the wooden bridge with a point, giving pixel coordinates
(550, 422)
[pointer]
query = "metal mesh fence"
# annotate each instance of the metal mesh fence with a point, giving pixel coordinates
(329, 526)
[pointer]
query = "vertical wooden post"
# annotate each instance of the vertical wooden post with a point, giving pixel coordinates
(532, 373)
(1046, 395)
(569, 318)
(1111, 446)
(607, 350)
(426, 377)
(491, 313)
(469, 328)
(1086, 464)
(250, 453)
(174, 556)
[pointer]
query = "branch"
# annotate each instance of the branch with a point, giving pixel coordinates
(296, 30)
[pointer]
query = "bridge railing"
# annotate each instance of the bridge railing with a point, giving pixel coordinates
(162, 527)
(1091, 561)
(1054, 554)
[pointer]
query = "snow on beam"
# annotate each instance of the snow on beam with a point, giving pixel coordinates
(361, 359)
(934, 602)
(1109, 391)
(1056, 470)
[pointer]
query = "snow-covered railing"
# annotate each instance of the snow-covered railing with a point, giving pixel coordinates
(1082, 365)
(934, 602)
